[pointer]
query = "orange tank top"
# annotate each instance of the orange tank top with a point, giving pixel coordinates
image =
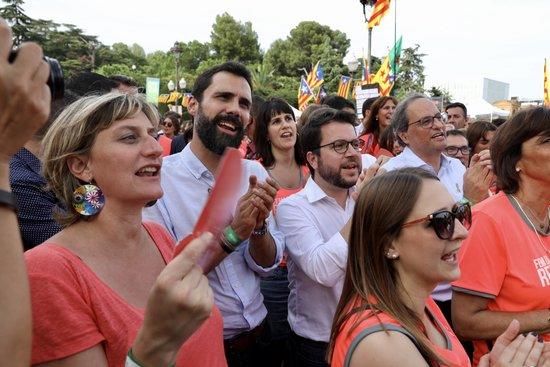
(347, 341)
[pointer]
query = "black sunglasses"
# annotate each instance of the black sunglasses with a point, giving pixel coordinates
(443, 221)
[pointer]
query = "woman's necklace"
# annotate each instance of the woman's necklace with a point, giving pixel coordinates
(531, 223)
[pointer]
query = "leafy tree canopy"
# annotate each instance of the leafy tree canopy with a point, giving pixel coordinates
(232, 40)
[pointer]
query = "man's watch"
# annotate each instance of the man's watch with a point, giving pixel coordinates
(260, 231)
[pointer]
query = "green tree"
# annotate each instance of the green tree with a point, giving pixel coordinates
(440, 92)
(192, 54)
(308, 43)
(20, 23)
(232, 40)
(411, 73)
(137, 51)
(262, 77)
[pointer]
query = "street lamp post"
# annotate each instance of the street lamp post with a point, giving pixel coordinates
(176, 50)
(353, 64)
(366, 3)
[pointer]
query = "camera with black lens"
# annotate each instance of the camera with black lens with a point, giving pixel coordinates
(55, 80)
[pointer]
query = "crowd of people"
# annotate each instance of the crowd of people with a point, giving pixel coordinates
(409, 236)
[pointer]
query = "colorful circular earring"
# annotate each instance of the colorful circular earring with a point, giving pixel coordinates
(88, 200)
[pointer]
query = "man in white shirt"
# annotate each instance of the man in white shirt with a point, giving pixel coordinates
(420, 126)
(222, 98)
(315, 222)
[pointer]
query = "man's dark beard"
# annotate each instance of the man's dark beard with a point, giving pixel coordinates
(334, 177)
(212, 138)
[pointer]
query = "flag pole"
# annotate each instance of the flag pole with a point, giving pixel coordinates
(394, 41)
(369, 48)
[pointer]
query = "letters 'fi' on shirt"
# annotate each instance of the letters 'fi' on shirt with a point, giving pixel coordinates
(502, 260)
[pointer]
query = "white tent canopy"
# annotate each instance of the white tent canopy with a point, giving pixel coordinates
(481, 107)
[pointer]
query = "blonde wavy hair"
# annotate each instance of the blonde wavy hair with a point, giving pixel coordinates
(74, 132)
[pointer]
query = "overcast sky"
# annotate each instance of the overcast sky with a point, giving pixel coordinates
(505, 40)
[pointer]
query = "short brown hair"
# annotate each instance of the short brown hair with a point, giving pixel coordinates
(73, 133)
(508, 140)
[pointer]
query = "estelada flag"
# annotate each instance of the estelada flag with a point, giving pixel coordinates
(344, 86)
(304, 94)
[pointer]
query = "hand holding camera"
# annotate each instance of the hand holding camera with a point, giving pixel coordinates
(24, 95)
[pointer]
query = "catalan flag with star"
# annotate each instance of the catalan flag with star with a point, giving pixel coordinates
(382, 77)
(546, 86)
(316, 76)
(381, 8)
(385, 75)
(344, 86)
(304, 94)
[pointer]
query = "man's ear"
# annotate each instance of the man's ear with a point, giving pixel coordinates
(193, 106)
(312, 159)
(78, 165)
(404, 136)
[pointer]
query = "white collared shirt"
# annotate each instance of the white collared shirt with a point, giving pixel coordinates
(451, 175)
(311, 222)
(451, 172)
(186, 183)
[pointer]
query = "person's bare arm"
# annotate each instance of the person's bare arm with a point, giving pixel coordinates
(24, 107)
(472, 320)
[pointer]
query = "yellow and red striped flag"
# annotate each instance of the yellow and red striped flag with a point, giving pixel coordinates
(344, 86)
(316, 76)
(304, 94)
(381, 8)
(382, 77)
(546, 86)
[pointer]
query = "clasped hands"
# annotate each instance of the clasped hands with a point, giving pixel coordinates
(254, 207)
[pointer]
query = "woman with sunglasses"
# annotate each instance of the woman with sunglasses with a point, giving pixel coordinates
(505, 260)
(405, 235)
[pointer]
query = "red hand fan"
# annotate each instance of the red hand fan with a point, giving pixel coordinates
(218, 210)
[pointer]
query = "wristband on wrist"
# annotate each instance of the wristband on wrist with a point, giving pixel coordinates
(465, 200)
(231, 237)
(8, 200)
(260, 231)
(225, 245)
(132, 362)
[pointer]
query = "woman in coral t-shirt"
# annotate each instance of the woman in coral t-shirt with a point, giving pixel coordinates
(505, 261)
(105, 289)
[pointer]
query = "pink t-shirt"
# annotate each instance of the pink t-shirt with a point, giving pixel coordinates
(73, 310)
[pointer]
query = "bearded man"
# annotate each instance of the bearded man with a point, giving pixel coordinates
(221, 104)
(316, 222)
